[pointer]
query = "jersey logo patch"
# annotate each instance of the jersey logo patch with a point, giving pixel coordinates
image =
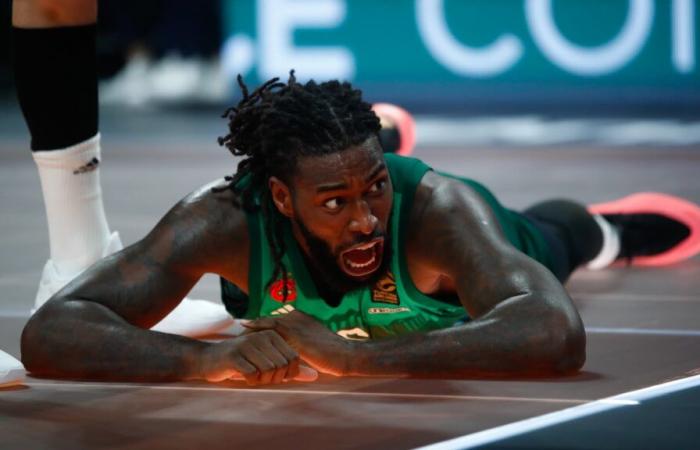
(277, 290)
(385, 290)
(354, 334)
(399, 309)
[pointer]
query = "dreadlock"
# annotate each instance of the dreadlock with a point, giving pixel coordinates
(278, 123)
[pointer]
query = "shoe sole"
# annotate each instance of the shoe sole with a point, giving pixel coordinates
(12, 377)
(675, 208)
(12, 371)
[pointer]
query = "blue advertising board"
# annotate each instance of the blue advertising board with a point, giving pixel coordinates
(451, 51)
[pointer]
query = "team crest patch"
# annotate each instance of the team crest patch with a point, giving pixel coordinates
(277, 290)
(385, 290)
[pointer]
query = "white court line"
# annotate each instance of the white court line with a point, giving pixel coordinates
(535, 130)
(575, 401)
(632, 297)
(566, 415)
(642, 331)
(15, 313)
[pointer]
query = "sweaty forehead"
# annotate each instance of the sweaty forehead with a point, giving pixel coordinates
(336, 168)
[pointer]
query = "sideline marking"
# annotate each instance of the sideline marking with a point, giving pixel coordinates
(575, 412)
(539, 131)
(645, 331)
(574, 401)
(631, 297)
(15, 314)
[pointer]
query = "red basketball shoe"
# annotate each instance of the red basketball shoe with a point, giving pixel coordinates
(655, 229)
(398, 133)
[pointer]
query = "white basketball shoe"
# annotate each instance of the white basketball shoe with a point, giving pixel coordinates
(11, 371)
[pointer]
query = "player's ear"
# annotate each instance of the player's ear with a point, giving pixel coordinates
(281, 196)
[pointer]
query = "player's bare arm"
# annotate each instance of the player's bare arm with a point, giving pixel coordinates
(118, 299)
(523, 321)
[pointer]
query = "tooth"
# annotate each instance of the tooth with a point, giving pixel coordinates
(359, 265)
(365, 246)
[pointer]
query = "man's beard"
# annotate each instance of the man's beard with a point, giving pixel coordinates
(325, 264)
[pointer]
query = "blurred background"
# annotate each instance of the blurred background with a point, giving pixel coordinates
(634, 57)
(478, 72)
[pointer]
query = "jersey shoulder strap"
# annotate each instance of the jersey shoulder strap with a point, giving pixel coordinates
(405, 173)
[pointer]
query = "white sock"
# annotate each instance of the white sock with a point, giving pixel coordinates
(70, 182)
(611, 245)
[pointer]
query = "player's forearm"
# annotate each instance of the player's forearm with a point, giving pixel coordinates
(85, 340)
(521, 336)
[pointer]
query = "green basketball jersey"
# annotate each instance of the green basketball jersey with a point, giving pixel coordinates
(393, 306)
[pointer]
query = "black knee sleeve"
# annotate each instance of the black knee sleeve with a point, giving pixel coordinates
(56, 79)
(570, 230)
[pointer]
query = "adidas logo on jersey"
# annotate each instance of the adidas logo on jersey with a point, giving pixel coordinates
(286, 309)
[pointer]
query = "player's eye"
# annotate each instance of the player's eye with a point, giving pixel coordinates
(332, 203)
(378, 186)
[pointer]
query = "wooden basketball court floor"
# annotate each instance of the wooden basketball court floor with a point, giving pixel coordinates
(638, 389)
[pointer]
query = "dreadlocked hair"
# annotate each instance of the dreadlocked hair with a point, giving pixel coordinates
(278, 123)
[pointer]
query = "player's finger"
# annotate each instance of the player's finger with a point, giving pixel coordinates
(279, 352)
(246, 371)
(290, 355)
(264, 323)
(306, 373)
(266, 368)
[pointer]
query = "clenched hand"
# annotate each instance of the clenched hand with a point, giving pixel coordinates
(259, 358)
(324, 350)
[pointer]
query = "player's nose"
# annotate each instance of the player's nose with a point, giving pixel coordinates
(363, 220)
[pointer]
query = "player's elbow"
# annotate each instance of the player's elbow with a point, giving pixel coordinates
(37, 341)
(31, 346)
(566, 343)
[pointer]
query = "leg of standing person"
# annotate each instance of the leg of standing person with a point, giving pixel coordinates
(56, 78)
(61, 113)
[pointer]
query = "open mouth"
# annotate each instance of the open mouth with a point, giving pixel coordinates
(361, 260)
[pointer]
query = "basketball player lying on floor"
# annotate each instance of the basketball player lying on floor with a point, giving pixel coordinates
(349, 260)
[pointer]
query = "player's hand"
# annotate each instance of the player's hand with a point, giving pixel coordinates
(322, 349)
(259, 358)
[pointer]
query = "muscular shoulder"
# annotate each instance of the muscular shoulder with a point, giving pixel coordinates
(212, 231)
(215, 207)
(447, 200)
(449, 218)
